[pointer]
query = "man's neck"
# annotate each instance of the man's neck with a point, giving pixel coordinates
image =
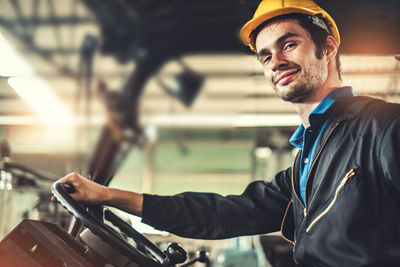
(304, 109)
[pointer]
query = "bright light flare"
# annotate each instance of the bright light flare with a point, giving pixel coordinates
(32, 89)
(41, 98)
(11, 63)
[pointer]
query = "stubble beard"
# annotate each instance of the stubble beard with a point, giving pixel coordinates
(305, 85)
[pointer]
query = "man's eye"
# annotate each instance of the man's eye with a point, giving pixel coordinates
(267, 59)
(289, 46)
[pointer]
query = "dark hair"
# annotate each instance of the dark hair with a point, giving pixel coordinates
(317, 34)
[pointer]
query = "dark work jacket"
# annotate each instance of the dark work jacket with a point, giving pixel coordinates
(351, 216)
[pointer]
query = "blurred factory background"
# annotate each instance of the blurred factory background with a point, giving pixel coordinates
(208, 119)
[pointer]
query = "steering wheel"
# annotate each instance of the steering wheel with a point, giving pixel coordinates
(153, 257)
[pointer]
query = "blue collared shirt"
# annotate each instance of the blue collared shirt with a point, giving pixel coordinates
(306, 139)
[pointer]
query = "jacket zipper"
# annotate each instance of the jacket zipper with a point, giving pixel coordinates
(283, 221)
(294, 190)
(312, 165)
(301, 203)
(339, 188)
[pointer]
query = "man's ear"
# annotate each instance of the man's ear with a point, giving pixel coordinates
(331, 48)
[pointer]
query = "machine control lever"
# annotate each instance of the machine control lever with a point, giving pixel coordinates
(201, 256)
(175, 254)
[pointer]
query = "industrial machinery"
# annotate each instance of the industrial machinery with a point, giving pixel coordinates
(36, 243)
(130, 31)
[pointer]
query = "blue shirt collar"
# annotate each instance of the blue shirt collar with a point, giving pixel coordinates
(318, 115)
(327, 102)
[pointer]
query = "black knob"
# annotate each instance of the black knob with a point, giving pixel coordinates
(203, 256)
(175, 253)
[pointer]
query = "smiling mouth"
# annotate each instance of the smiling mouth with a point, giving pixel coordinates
(286, 78)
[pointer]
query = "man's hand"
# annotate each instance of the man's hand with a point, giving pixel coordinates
(89, 192)
(86, 191)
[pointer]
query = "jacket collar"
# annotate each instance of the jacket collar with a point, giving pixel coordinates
(348, 108)
(343, 109)
(320, 114)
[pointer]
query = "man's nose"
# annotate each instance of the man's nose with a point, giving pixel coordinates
(278, 62)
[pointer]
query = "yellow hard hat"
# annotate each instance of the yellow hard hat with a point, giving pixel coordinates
(269, 9)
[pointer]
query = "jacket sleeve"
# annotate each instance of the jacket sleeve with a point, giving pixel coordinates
(390, 153)
(259, 209)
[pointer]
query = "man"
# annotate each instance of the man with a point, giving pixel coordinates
(339, 204)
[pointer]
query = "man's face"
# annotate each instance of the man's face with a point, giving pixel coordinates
(288, 57)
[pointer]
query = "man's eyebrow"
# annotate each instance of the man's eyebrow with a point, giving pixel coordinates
(286, 36)
(278, 41)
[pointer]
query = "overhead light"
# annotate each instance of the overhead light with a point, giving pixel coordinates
(31, 88)
(38, 94)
